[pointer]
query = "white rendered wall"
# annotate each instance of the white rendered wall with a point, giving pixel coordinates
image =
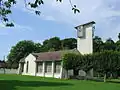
(85, 45)
(31, 65)
(32, 68)
(18, 71)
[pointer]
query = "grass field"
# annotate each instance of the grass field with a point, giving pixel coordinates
(16, 82)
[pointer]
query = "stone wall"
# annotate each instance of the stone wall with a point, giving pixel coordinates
(8, 71)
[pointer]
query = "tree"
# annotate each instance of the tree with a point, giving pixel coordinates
(52, 44)
(5, 8)
(101, 63)
(87, 62)
(109, 45)
(106, 62)
(69, 43)
(119, 36)
(22, 49)
(37, 47)
(117, 45)
(97, 44)
(72, 61)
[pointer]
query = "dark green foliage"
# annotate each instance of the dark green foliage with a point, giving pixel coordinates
(77, 61)
(98, 44)
(71, 61)
(21, 50)
(69, 43)
(87, 62)
(53, 44)
(109, 44)
(106, 62)
(118, 45)
(119, 36)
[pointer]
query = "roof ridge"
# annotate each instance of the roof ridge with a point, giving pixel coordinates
(55, 51)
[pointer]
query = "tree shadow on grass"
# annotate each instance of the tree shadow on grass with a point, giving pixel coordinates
(11, 84)
(107, 81)
(117, 82)
(96, 80)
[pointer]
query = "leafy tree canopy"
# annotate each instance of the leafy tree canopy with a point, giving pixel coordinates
(98, 44)
(22, 49)
(69, 43)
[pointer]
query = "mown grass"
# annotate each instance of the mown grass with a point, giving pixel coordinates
(17, 82)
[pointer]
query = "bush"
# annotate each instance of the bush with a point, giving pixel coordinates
(104, 63)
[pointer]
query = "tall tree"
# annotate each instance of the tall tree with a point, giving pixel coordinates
(5, 8)
(107, 62)
(119, 36)
(72, 61)
(118, 45)
(52, 44)
(97, 44)
(109, 44)
(22, 49)
(69, 43)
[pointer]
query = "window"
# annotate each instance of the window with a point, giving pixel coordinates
(22, 67)
(39, 67)
(57, 67)
(27, 67)
(48, 67)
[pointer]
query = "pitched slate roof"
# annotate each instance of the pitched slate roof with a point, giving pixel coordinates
(52, 56)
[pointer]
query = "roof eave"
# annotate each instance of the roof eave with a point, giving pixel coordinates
(92, 22)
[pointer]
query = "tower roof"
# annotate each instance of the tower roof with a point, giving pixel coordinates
(92, 22)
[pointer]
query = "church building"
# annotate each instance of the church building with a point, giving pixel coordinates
(49, 64)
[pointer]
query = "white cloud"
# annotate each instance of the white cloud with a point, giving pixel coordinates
(49, 18)
(22, 27)
(16, 27)
(39, 41)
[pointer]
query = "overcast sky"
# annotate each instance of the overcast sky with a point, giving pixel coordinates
(57, 19)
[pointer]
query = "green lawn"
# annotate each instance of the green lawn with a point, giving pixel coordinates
(17, 82)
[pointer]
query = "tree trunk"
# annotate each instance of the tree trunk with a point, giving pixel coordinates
(4, 70)
(76, 72)
(66, 75)
(111, 76)
(98, 75)
(105, 77)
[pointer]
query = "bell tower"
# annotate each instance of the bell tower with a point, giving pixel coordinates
(85, 34)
